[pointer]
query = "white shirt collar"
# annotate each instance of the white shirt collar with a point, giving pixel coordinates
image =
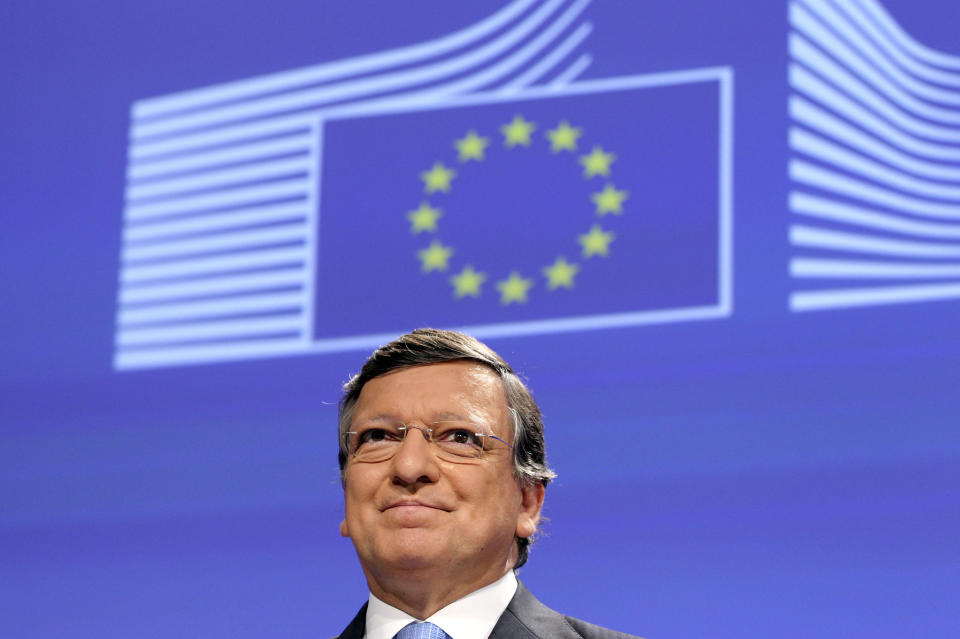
(470, 617)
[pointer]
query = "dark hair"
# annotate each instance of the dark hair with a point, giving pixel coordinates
(432, 346)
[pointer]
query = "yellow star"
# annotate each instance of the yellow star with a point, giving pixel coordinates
(564, 137)
(560, 274)
(609, 200)
(434, 257)
(438, 178)
(514, 288)
(471, 147)
(517, 132)
(467, 282)
(424, 218)
(597, 162)
(596, 242)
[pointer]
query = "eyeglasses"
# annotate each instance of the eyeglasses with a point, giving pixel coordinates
(450, 440)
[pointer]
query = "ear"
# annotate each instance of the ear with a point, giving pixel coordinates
(531, 503)
(343, 528)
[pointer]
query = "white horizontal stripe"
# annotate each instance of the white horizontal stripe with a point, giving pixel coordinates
(214, 221)
(233, 197)
(214, 286)
(212, 308)
(803, 51)
(550, 60)
(331, 70)
(220, 178)
(205, 265)
(845, 269)
(823, 208)
(857, 17)
(805, 82)
(207, 330)
(206, 353)
(238, 153)
(931, 56)
(801, 235)
(851, 297)
(830, 181)
(854, 58)
(817, 147)
(219, 242)
(168, 356)
(280, 126)
(353, 89)
(816, 118)
(572, 72)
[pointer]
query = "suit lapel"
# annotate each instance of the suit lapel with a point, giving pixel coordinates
(357, 627)
(527, 618)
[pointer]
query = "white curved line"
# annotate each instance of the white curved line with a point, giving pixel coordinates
(194, 354)
(868, 296)
(830, 181)
(207, 330)
(330, 70)
(219, 221)
(218, 242)
(572, 72)
(428, 97)
(802, 50)
(549, 61)
(211, 159)
(856, 17)
(221, 285)
(211, 308)
(845, 269)
(806, 113)
(830, 153)
(826, 209)
(810, 236)
(921, 51)
(233, 197)
(805, 82)
(353, 89)
(223, 177)
(864, 49)
(210, 265)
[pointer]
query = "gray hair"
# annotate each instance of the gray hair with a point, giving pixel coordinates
(433, 346)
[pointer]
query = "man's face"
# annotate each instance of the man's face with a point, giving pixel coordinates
(416, 514)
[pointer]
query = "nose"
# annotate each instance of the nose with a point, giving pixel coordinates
(415, 462)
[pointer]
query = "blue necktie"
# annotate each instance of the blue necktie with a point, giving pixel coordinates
(423, 630)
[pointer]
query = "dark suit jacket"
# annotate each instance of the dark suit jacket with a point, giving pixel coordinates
(524, 618)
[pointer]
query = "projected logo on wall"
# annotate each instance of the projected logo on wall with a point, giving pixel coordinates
(474, 182)
(876, 160)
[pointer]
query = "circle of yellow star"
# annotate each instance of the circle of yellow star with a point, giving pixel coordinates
(564, 137)
(609, 200)
(597, 162)
(424, 218)
(434, 257)
(596, 242)
(467, 282)
(437, 178)
(560, 274)
(517, 132)
(471, 147)
(514, 288)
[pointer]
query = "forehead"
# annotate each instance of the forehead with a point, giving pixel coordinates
(419, 392)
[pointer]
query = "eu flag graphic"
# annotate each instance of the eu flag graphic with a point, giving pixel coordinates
(586, 205)
(596, 206)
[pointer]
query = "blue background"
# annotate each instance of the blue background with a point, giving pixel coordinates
(768, 474)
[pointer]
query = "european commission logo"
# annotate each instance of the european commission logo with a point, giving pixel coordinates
(876, 160)
(472, 182)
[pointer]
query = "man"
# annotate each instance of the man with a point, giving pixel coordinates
(443, 467)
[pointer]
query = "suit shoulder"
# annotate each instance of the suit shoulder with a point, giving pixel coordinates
(591, 631)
